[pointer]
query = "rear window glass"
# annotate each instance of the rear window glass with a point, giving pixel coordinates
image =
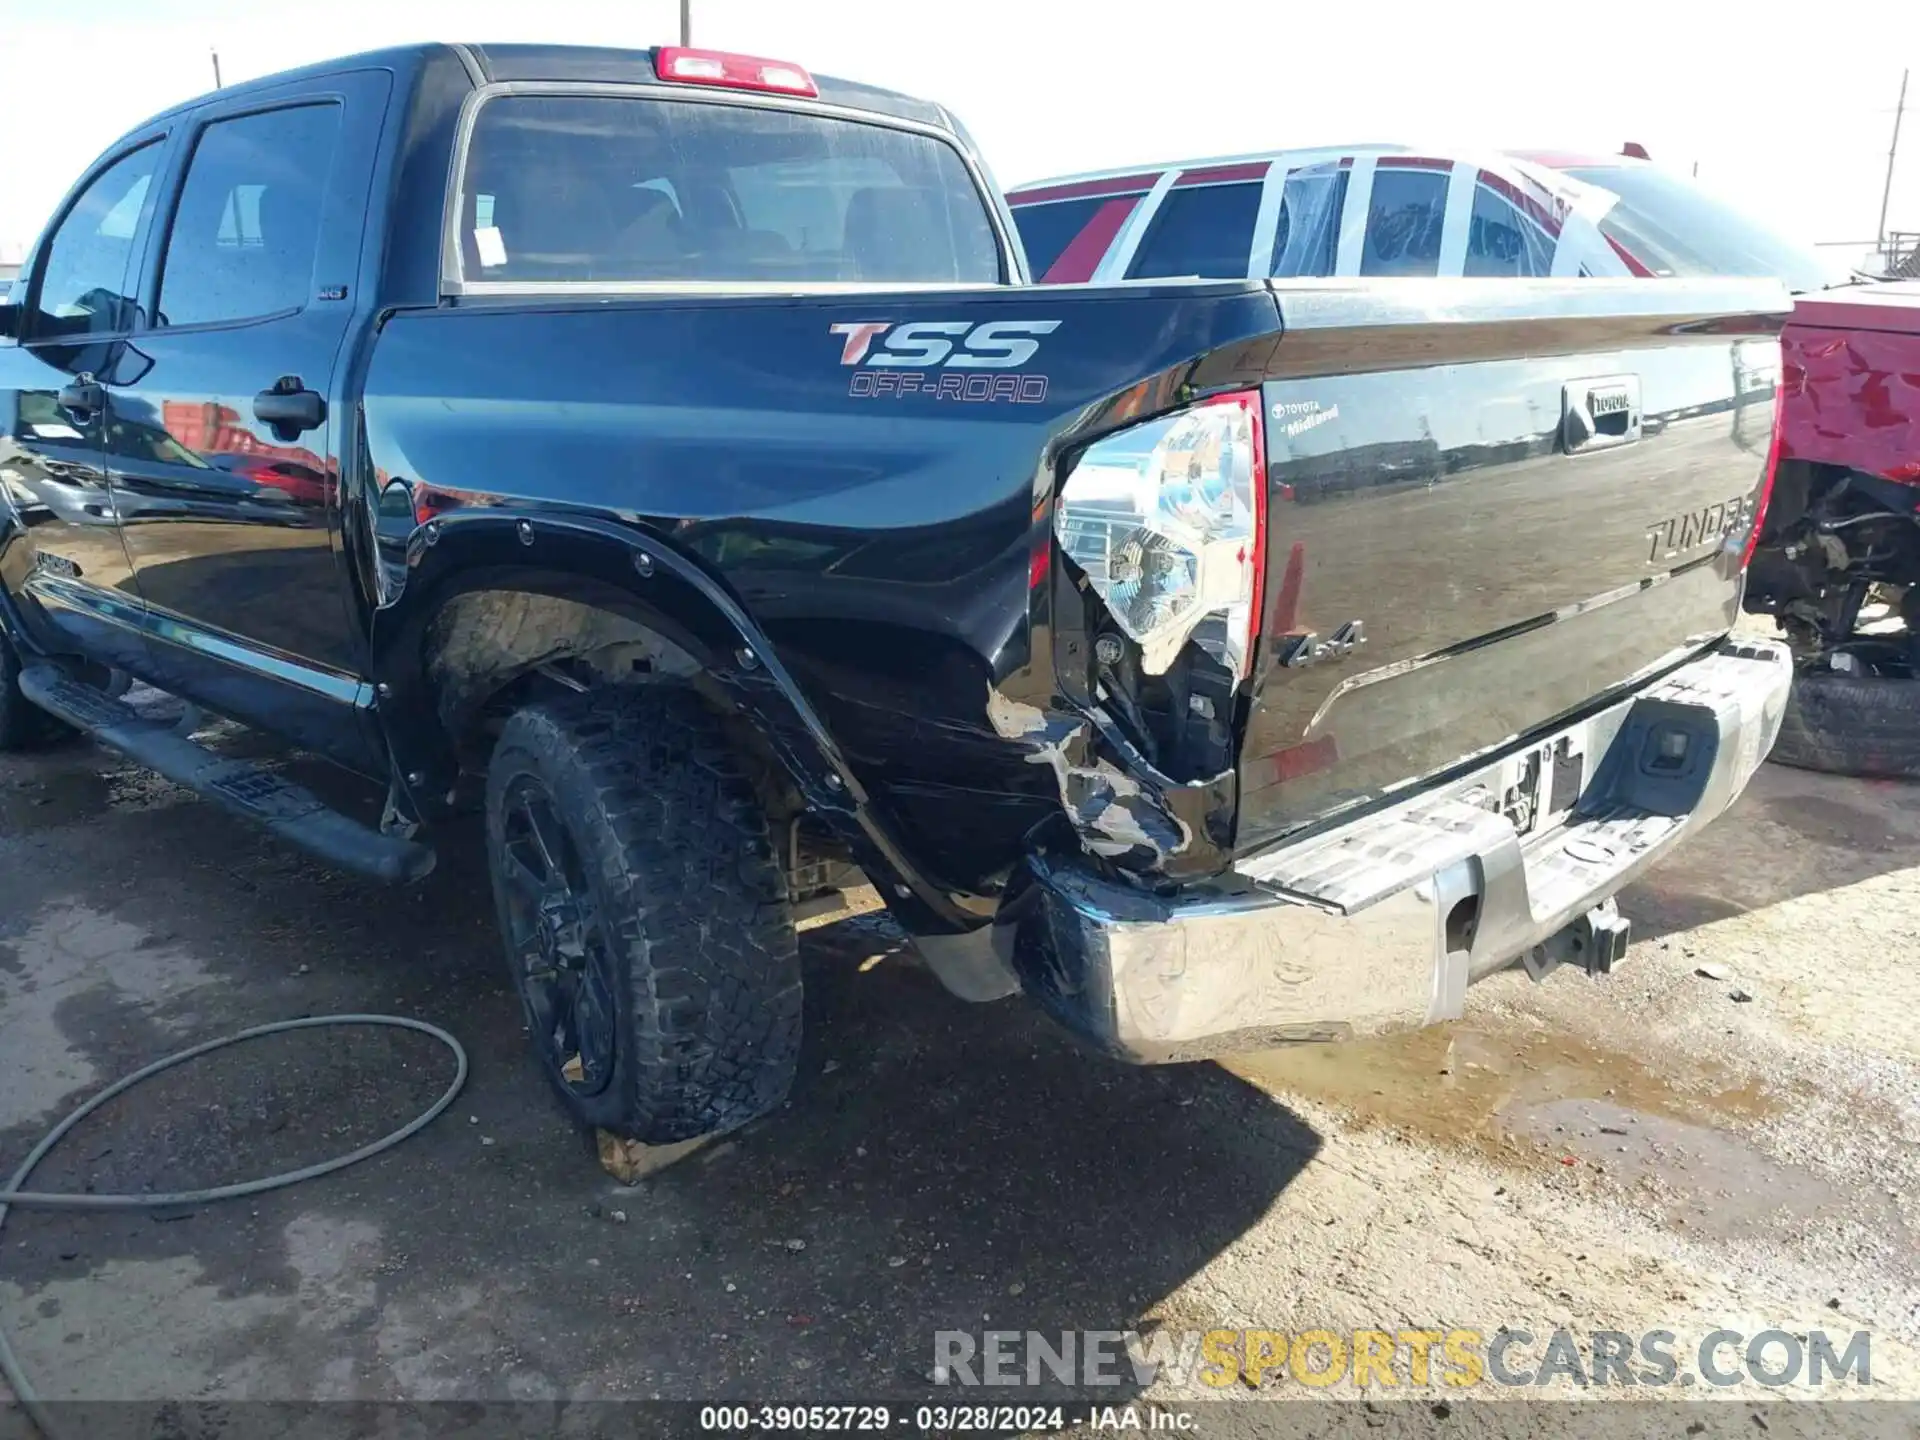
(1046, 230)
(1673, 227)
(572, 188)
(1404, 220)
(1306, 237)
(1204, 230)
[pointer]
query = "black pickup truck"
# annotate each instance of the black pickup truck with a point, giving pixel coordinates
(662, 452)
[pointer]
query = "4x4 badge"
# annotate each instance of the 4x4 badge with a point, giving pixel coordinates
(1310, 649)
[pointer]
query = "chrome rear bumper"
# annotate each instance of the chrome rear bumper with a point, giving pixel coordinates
(1381, 924)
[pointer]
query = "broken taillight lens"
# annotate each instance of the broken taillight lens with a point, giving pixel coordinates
(1168, 520)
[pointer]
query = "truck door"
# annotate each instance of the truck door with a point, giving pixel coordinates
(65, 561)
(222, 441)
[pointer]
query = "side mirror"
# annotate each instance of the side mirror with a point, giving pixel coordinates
(11, 314)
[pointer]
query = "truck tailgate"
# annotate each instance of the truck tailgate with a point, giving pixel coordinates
(1490, 505)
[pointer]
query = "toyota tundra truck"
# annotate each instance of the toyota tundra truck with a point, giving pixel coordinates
(663, 454)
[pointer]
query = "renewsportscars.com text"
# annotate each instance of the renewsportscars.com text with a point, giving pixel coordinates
(1380, 1359)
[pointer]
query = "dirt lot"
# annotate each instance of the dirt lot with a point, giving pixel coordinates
(1661, 1149)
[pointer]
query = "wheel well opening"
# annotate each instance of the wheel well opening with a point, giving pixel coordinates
(488, 653)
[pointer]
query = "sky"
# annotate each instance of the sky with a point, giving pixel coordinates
(1794, 127)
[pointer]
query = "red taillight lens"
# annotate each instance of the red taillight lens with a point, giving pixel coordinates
(1766, 481)
(1249, 402)
(735, 72)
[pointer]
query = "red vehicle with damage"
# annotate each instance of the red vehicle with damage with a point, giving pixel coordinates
(1839, 560)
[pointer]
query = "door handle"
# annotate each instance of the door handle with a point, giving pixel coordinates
(289, 408)
(85, 396)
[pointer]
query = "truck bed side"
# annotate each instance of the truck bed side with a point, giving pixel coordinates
(883, 506)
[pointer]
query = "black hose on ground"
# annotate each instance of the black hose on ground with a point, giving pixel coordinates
(13, 1194)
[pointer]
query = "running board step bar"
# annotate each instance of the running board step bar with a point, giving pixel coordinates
(253, 793)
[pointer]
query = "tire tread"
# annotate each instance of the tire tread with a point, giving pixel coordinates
(1866, 725)
(695, 901)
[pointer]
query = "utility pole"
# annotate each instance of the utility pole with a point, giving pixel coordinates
(686, 22)
(1886, 192)
(216, 66)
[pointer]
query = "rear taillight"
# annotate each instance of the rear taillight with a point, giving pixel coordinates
(1169, 521)
(735, 72)
(1773, 469)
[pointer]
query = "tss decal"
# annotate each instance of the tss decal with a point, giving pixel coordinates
(959, 344)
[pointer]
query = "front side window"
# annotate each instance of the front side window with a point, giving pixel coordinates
(1404, 221)
(247, 229)
(87, 277)
(583, 188)
(1203, 230)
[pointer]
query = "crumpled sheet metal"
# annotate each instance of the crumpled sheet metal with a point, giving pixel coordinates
(1852, 399)
(1113, 811)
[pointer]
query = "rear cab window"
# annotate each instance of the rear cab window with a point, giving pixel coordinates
(587, 188)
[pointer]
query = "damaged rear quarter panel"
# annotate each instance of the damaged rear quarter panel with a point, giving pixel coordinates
(887, 545)
(1128, 811)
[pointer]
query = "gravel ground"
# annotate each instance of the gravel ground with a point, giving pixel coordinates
(1723, 1133)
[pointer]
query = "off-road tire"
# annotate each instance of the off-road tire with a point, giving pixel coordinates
(23, 725)
(1852, 725)
(691, 899)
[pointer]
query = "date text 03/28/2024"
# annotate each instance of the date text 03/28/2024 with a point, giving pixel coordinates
(934, 1419)
(938, 1419)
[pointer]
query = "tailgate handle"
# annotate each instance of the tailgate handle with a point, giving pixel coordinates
(1601, 412)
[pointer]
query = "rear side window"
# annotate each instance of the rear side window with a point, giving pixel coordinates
(85, 280)
(1502, 240)
(1404, 221)
(1306, 238)
(1046, 230)
(1204, 230)
(247, 229)
(582, 188)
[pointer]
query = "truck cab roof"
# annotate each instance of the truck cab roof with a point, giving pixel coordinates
(592, 64)
(432, 86)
